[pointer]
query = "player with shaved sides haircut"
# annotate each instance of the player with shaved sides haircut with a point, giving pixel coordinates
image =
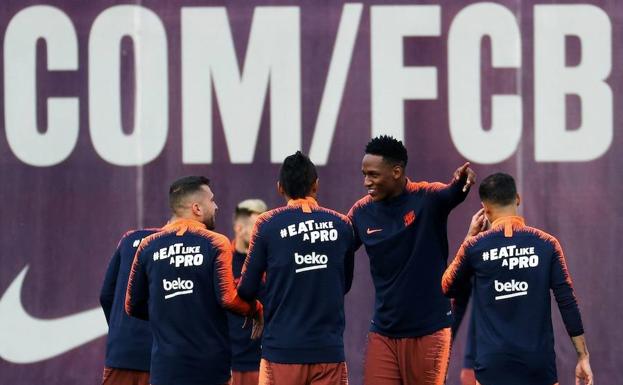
(182, 282)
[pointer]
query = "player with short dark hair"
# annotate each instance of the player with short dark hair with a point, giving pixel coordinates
(305, 252)
(182, 282)
(403, 226)
(246, 352)
(514, 268)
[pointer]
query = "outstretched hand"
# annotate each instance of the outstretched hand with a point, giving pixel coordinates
(465, 172)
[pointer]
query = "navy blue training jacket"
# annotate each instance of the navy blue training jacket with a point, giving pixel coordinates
(182, 281)
(128, 345)
(306, 253)
(514, 268)
(406, 240)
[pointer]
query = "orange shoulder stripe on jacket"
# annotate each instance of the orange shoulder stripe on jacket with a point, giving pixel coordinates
(144, 243)
(449, 275)
(228, 293)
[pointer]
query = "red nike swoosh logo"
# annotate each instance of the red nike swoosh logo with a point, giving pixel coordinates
(372, 231)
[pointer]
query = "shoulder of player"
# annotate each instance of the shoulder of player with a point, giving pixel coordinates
(152, 235)
(139, 233)
(131, 236)
(271, 216)
(544, 236)
(479, 239)
(217, 240)
(361, 203)
(333, 213)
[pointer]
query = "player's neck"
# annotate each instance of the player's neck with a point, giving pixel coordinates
(240, 246)
(500, 212)
(176, 217)
(399, 191)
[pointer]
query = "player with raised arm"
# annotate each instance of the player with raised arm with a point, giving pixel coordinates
(403, 226)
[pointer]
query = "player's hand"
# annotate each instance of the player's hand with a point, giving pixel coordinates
(468, 377)
(478, 224)
(583, 372)
(465, 172)
(258, 325)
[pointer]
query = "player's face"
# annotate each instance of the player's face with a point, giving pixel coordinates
(381, 179)
(208, 207)
(244, 227)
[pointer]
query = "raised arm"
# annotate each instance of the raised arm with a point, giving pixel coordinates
(452, 194)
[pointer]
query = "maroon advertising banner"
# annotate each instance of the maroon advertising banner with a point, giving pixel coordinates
(105, 103)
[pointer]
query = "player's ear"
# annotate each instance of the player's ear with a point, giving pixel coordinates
(314, 188)
(518, 200)
(237, 227)
(487, 210)
(196, 209)
(397, 171)
(280, 189)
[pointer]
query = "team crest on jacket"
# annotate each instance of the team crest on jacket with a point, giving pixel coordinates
(409, 218)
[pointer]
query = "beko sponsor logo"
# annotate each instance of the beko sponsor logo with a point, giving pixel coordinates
(179, 285)
(511, 289)
(313, 260)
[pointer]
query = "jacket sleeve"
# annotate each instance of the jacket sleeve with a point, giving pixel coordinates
(449, 195)
(254, 265)
(356, 239)
(224, 285)
(456, 280)
(459, 308)
(562, 287)
(107, 293)
(137, 293)
(349, 261)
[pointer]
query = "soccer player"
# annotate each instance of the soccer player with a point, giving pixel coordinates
(182, 281)
(128, 347)
(402, 225)
(246, 352)
(514, 268)
(305, 251)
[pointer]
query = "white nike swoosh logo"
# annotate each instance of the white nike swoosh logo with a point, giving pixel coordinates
(25, 339)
